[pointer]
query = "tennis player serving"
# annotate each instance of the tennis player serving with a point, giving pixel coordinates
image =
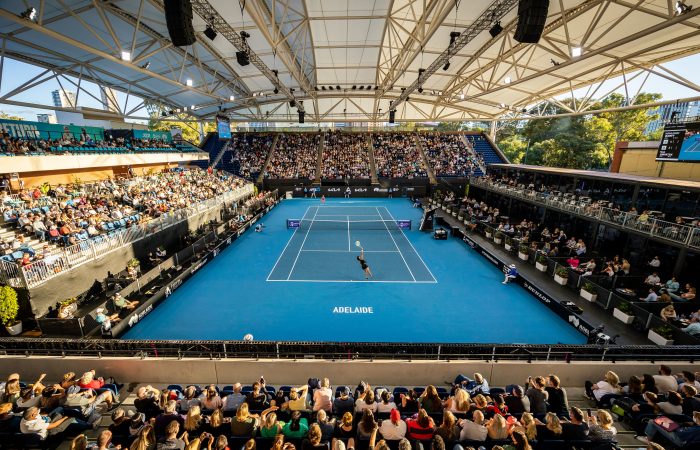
(363, 263)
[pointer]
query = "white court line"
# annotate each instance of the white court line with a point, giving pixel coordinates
(414, 249)
(348, 233)
(285, 247)
(351, 251)
(353, 281)
(397, 247)
(302, 244)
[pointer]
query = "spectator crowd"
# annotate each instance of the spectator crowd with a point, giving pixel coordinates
(449, 156)
(466, 414)
(396, 156)
(249, 153)
(345, 155)
(295, 156)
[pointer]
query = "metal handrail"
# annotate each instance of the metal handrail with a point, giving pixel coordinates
(678, 233)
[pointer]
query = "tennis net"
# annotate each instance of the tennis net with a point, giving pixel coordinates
(330, 225)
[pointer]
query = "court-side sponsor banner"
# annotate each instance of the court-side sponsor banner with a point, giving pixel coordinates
(350, 191)
(148, 134)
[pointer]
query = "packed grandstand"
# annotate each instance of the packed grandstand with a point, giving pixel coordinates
(358, 225)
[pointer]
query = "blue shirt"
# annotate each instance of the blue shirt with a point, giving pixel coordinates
(512, 272)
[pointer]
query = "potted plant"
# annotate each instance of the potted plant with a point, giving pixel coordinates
(623, 312)
(561, 275)
(588, 291)
(489, 232)
(509, 243)
(9, 307)
(661, 335)
(524, 252)
(498, 237)
(541, 262)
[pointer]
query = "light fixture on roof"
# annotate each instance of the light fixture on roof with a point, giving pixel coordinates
(126, 56)
(29, 13)
(682, 8)
(507, 80)
(189, 82)
(453, 37)
(231, 97)
(354, 86)
(495, 29)
(576, 52)
(461, 96)
(361, 87)
(439, 92)
(337, 87)
(210, 33)
(146, 66)
(554, 63)
(420, 73)
(275, 90)
(420, 90)
(323, 88)
(502, 105)
(446, 66)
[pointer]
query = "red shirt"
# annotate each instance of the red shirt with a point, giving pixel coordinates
(415, 431)
(94, 384)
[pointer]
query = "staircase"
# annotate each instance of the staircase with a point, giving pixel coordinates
(483, 145)
(480, 167)
(319, 161)
(8, 232)
(372, 164)
(426, 161)
(261, 175)
(224, 149)
(213, 146)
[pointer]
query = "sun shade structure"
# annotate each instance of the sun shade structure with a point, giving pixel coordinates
(320, 50)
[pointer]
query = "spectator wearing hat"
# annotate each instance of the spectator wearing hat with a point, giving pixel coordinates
(121, 420)
(234, 400)
(147, 401)
(517, 402)
(344, 403)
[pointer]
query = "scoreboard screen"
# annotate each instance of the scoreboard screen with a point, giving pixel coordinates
(680, 142)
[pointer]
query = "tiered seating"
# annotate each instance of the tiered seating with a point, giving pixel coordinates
(345, 156)
(246, 154)
(482, 147)
(448, 155)
(295, 156)
(396, 156)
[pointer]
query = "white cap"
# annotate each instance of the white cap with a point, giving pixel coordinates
(99, 310)
(512, 265)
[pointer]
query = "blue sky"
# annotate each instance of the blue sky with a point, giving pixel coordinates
(15, 73)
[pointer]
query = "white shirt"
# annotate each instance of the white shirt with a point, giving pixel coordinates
(604, 388)
(392, 432)
(666, 383)
(360, 405)
(323, 399)
(37, 425)
(385, 408)
(471, 431)
(668, 408)
(33, 401)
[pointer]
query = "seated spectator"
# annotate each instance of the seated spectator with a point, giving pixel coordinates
(609, 385)
(673, 404)
(297, 427)
(386, 404)
(148, 401)
(344, 432)
(529, 426)
(234, 400)
(680, 437)
(394, 428)
(517, 402)
(35, 422)
(557, 401)
(551, 429)
(366, 426)
(497, 427)
(448, 430)
(665, 382)
(326, 426)
(122, 303)
(420, 426)
(120, 427)
(366, 401)
(189, 399)
(537, 395)
(473, 430)
(216, 424)
(344, 403)
(323, 397)
(668, 313)
(693, 328)
(297, 399)
(651, 296)
(269, 425)
(409, 402)
(430, 401)
(458, 402)
(168, 415)
(576, 429)
(600, 427)
(9, 423)
(244, 424)
(313, 440)
(145, 440)
(171, 440)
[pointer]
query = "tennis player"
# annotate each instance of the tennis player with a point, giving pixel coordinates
(363, 264)
(323, 200)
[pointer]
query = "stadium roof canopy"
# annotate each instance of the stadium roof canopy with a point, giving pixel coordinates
(371, 49)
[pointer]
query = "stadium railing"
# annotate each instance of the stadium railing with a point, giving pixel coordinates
(645, 318)
(682, 234)
(339, 351)
(85, 251)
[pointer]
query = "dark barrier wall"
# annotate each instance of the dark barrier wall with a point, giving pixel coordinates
(562, 311)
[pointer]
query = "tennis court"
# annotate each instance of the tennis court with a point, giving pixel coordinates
(294, 284)
(323, 248)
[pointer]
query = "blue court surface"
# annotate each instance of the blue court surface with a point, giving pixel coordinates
(305, 284)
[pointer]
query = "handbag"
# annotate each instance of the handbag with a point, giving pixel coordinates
(666, 424)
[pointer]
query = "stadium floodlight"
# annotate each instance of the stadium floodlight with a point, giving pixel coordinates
(146, 66)
(337, 87)
(453, 37)
(446, 66)
(210, 33)
(232, 97)
(461, 96)
(576, 52)
(495, 29)
(189, 82)
(420, 90)
(126, 56)
(682, 8)
(275, 90)
(29, 14)
(507, 80)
